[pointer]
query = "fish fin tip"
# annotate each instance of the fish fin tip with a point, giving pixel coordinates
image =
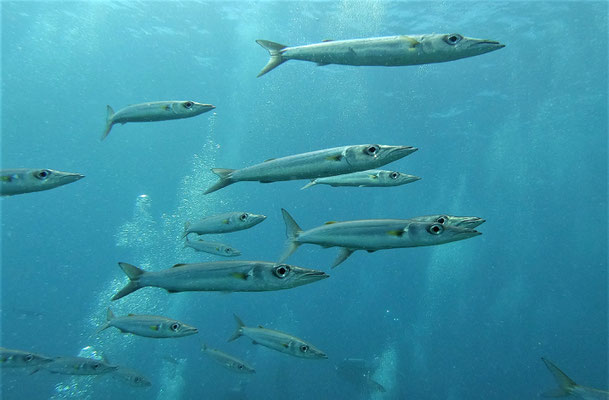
(275, 50)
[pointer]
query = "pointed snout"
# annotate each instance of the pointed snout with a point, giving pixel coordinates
(485, 45)
(471, 222)
(403, 151)
(71, 177)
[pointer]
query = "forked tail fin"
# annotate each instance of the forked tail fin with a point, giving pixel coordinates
(134, 274)
(274, 50)
(109, 122)
(239, 332)
(224, 181)
(565, 384)
(109, 317)
(292, 232)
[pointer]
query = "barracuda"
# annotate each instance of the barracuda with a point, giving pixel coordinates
(19, 181)
(567, 387)
(370, 178)
(227, 361)
(151, 326)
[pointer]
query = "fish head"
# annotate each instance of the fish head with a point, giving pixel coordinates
(453, 46)
(366, 156)
(452, 220)
(191, 108)
(246, 220)
(303, 349)
(93, 367)
(428, 234)
(133, 377)
(173, 328)
(395, 178)
(242, 368)
(50, 178)
(229, 251)
(284, 276)
(22, 359)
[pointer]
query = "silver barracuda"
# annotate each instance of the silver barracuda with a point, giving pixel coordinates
(315, 164)
(10, 358)
(223, 223)
(77, 366)
(388, 51)
(359, 373)
(19, 181)
(148, 326)
(227, 361)
(221, 276)
(277, 340)
(567, 387)
(451, 220)
(216, 248)
(370, 178)
(371, 235)
(131, 377)
(154, 111)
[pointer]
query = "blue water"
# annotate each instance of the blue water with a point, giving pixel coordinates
(517, 136)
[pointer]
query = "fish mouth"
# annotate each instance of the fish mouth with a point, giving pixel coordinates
(191, 331)
(72, 177)
(471, 222)
(413, 178)
(315, 275)
(402, 151)
(490, 43)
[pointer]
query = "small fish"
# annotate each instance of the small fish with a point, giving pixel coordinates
(77, 366)
(154, 111)
(370, 178)
(227, 361)
(220, 276)
(358, 372)
(19, 181)
(371, 235)
(277, 340)
(223, 223)
(387, 51)
(10, 358)
(315, 164)
(567, 387)
(148, 326)
(216, 248)
(131, 377)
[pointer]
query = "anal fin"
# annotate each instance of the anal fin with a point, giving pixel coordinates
(343, 254)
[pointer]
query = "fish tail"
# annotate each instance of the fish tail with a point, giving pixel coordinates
(109, 122)
(313, 182)
(292, 232)
(134, 274)
(565, 384)
(239, 332)
(203, 347)
(186, 226)
(274, 50)
(225, 179)
(109, 317)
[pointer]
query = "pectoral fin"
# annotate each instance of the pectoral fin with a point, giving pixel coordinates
(343, 254)
(336, 157)
(398, 233)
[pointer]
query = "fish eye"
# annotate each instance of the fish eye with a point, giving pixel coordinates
(28, 357)
(281, 271)
(188, 104)
(243, 216)
(394, 175)
(95, 366)
(240, 366)
(175, 327)
(453, 38)
(435, 229)
(304, 348)
(227, 250)
(442, 220)
(43, 174)
(137, 379)
(372, 149)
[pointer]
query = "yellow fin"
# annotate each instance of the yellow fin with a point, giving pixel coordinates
(397, 233)
(285, 345)
(337, 157)
(178, 265)
(154, 327)
(413, 42)
(239, 275)
(6, 178)
(330, 222)
(226, 221)
(372, 176)
(166, 107)
(131, 315)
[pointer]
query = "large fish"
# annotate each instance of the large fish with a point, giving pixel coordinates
(18, 181)
(276, 340)
(371, 235)
(149, 326)
(221, 276)
(388, 51)
(567, 387)
(370, 178)
(154, 111)
(223, 223)
(315, 164)
(216, 248)
(227, 361)
(10, 358)
(77, 366)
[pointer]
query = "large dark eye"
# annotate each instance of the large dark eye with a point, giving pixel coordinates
(227, 250)
(453, 38)
(43, 174)
(95, 366)
(28, 357)
(394, 175)
(137, 379)
(188, 104)
(435, 229)
(243, 216)
(281, 271)
(304, 348)
(442, 220)
(240, 366)
(175, 327)
(372, 149)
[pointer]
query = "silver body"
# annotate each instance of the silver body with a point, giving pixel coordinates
(223, 276)
(151, 326)
(19, 181)
(451, 220)
(359, 373)
(567, 387)
(131, 377)
(10, 358)
(78, 366)
(280, 341)
(381, 51)
(154, 111)
(315, 164)
(370, 178)
(227, 361)
(223, 223)
(215, 248)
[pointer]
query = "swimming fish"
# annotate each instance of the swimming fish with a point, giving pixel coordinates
(77, 366)
(221, 276)
(223, 223)
(148, 326)
(388, 51)
(567, 387)
(359, 372)
(277, 340)
(216, 248)
(19, 181)
(370, 178)
(371, 235)
(315, 164)
(227, 361)
(131, 377)
(10, 358)
(154, 111)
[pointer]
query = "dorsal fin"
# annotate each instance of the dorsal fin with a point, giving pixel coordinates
(270, 159)
(260, 326)
(330, 222)
(178, 265)
(328, 40)
(131, 315)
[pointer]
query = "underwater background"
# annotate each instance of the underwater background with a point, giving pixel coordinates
(517, 137)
